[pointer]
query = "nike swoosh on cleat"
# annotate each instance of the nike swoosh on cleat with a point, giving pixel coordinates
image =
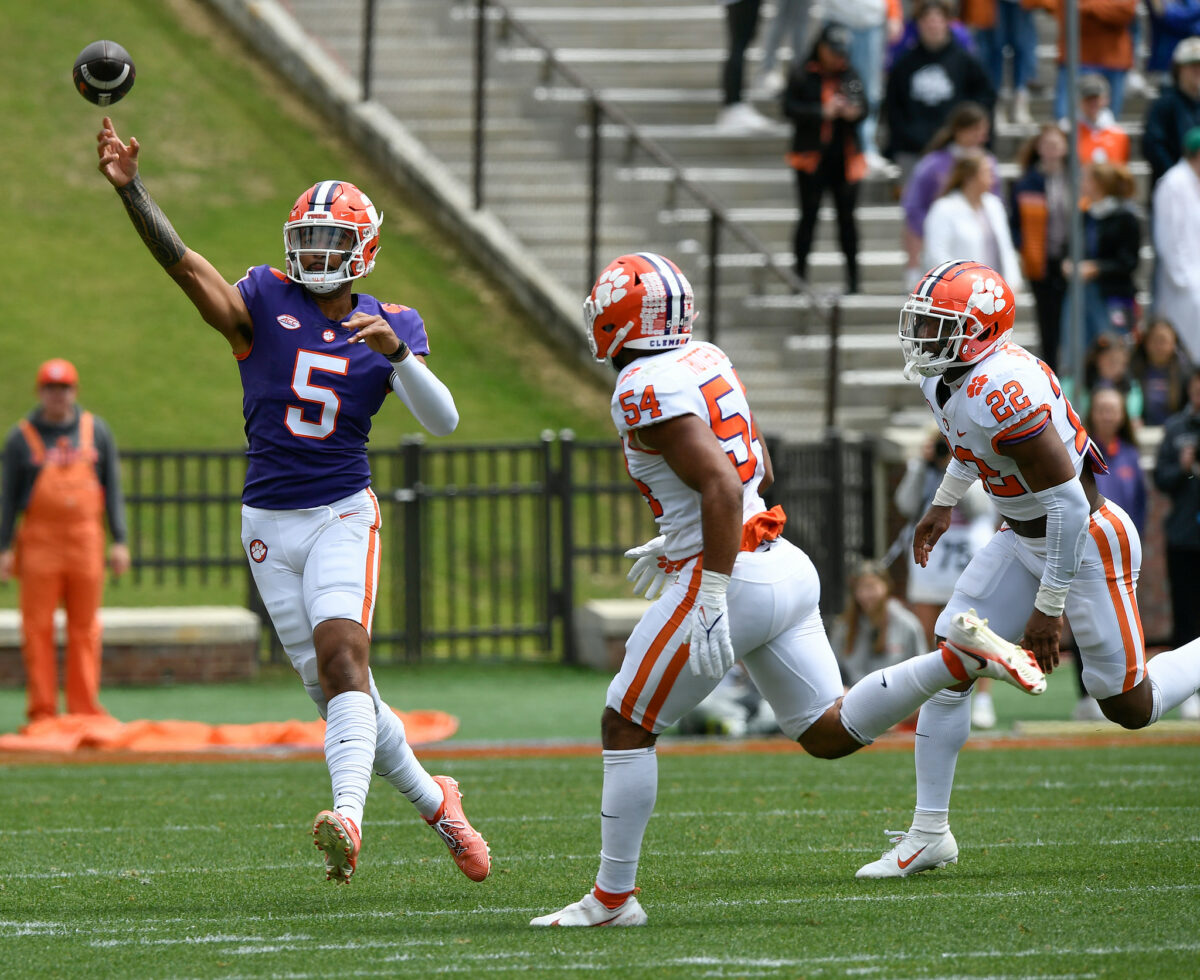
(883, 679)
(904, 864)
(982, 661)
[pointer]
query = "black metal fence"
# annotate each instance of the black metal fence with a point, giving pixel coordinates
(487, 549)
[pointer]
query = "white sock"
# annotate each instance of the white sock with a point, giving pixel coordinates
(396, 763)
(630, 789)
(1175, 674)
(886, 697)
(349, 749)
(942, 729)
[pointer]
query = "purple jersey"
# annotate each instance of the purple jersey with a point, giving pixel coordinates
(308, 396)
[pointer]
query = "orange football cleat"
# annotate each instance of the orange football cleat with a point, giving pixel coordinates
(336, 835)
(471, 852)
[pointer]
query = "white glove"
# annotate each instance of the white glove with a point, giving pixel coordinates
(711, 653)
(648, 575)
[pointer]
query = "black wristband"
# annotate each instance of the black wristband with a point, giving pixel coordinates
(399, 354)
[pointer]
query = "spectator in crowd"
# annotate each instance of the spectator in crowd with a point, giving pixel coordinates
(969, 220)
(1177, 474)
(824, 99)
(1105, 46)
(1174, 112)
(875, 630)
(1112, 233)
(1171, 21)
(1107, 368)
(1002, 25)
(868, 22)
(1109, 425)
(1106, 364)
(966, 132)
(1176, 231)
(1101, 138)
(1161, 370)
(904, 34)
(62, 478)
(1040, 214)
(790, 21)
(738, 117)
(972, 523)
(926, 82)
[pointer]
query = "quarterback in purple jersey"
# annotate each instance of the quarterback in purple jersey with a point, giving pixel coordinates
(317, 362)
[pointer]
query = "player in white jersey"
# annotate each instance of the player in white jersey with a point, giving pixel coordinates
(1061, 549)
(729, 586)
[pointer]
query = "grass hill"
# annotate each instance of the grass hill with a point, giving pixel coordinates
(226, 149)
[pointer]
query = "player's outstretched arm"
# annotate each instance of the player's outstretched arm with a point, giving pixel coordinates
(220, 304)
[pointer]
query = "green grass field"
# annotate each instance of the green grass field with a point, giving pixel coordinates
(226, 149)
(1074, 863)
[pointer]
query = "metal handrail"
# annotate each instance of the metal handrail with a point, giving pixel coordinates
(600, 110)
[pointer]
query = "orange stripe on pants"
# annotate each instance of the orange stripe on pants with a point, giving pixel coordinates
(370, 576)
(656, 649)
(1120, 589)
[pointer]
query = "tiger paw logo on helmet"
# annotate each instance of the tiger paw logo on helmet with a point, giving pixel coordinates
(641, 301)
(610, 288)
(987, 296)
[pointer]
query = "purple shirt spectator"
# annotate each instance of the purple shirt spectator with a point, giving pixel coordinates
(1124, 483)
(926, 183)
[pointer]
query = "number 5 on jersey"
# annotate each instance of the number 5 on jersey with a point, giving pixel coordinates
(307, 362)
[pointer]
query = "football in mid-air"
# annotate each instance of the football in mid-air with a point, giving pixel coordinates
(103, 72)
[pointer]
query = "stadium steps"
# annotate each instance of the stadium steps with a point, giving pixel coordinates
(660, 64)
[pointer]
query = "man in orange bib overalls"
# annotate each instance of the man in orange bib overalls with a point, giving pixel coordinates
(61, 476)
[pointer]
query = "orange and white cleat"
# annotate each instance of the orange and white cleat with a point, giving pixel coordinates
(336, 835)
(983, 653)
(471, 852)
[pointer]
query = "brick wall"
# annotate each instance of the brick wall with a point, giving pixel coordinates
(125, 664)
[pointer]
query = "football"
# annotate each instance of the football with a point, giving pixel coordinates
(103, 72)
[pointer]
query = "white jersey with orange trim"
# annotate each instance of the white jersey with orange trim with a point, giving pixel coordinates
(1006, 398)
(695, 379)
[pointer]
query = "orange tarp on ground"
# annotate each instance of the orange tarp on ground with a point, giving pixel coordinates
(66, 733)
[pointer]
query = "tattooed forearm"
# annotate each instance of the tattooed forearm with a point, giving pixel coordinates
(164, 243)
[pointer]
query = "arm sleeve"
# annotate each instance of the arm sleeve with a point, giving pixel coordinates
(1067, 518)
(425, 396)
(108, 469)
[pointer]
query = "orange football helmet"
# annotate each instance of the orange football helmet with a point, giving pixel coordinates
(959, 313)
(641, 301)
(331, 236)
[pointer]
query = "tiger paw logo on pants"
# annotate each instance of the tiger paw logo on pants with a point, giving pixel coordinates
(258, 550)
